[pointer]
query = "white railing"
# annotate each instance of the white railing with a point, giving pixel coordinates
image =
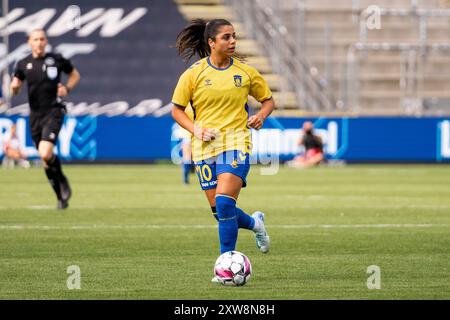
(262, 19)
(412, 71)
(413, 56)
(289, 52)
(422, 15)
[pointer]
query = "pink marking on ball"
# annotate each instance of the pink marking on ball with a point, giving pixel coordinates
(247, 265)
(225, 274)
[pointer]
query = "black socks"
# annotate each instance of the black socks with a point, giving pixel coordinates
(55, 175)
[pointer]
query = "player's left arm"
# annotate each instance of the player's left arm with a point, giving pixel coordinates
(256, 121)
(72, 81)
(261, 92)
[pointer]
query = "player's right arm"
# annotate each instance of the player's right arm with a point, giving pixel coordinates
(183, 120)
(17, 79)
(180, 100)
(16, 85)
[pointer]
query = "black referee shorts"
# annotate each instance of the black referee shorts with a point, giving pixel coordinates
(45, 126)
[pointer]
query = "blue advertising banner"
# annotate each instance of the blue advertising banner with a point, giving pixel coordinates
(100, 138)
(122, 138)
(365, 139)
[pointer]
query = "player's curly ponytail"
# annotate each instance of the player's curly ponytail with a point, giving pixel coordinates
(193, 39)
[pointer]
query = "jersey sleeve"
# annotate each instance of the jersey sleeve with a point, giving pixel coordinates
(259, 88)
(183, 91)
(65, 64)
(19, 72)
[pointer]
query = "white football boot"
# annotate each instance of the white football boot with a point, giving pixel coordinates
(261, 236)
(215, 280)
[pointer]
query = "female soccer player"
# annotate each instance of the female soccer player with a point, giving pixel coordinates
(217, 88)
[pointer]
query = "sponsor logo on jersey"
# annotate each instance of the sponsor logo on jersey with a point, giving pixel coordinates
(208, 82)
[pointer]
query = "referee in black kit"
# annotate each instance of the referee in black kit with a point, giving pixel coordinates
(42, 71)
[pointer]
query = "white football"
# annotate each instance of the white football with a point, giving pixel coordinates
(233, 268)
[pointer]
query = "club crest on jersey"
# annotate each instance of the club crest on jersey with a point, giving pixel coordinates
(238, 81)
(29, 66)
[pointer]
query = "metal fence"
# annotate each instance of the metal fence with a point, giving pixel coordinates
(335, 85)
(263, 22)
(417, 54)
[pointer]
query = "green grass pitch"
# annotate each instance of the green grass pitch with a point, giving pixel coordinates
(137, 233)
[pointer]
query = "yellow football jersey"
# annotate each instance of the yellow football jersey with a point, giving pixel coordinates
(218, 97)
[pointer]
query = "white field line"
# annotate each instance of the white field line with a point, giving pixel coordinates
(207, 226)
(298, 206)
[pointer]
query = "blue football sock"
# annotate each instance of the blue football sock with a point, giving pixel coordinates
(244, 220)
(186, 168)
(228, 225)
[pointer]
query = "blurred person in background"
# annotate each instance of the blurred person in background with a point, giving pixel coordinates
(186, 154)
(313, 148)
(186, 148)
(42, 71)
(13, 152)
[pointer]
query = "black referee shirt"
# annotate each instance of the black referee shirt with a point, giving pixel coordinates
(42, 75)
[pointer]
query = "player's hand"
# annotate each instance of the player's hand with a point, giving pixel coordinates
(255, 122)
(205, 134)
(62, 90)
(15, 86)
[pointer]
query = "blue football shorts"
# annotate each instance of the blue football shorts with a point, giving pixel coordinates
(233, 161)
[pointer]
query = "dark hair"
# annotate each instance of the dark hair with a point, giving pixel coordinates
(193, 39)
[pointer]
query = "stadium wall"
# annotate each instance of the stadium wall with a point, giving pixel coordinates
(146, 139)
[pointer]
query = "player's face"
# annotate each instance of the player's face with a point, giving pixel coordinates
(38, 42)
(225, 43)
